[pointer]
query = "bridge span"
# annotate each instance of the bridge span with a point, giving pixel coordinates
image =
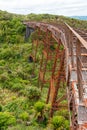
(63, 64)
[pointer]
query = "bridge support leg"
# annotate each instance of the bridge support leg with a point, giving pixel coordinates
(54, 100)
(28, 32)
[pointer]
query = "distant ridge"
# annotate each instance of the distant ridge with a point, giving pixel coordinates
(79, 17)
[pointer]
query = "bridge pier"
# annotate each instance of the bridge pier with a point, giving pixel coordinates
(29, 30)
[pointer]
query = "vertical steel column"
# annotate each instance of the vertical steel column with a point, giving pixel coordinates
(53, 70)
(44, 61)
(52, 76)
(58, 83)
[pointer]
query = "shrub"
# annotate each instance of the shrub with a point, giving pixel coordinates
(0, 108)
(17, 106)
(17, 87)
(48, 106)
(63, 113)
(57, 121)
(61, 47)
(2, 62)
(6, 53)
(4, 77)
(39, 106)
(24, 116)
(33, 93)
(6, 119)
(67, 125)
(47, 110)
(22, 92)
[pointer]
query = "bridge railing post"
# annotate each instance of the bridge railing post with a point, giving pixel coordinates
(79, 70)
(67, 36)
(69, 39)
(71, 49)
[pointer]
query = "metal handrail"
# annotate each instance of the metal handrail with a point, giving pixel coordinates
(82, 41)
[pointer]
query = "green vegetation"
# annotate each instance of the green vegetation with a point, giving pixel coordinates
(39, 106)
(11, 28)
(0, 108)
(33, 93)
(58, 122)
(22, 105)
(6, 119)
(24, 116)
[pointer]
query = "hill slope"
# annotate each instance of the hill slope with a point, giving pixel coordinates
(21, 101)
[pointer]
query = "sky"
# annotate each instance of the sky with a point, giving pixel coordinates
(59, 7)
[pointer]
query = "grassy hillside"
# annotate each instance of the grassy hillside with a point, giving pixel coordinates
(21, 101)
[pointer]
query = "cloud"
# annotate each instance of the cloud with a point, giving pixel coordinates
(60, 7)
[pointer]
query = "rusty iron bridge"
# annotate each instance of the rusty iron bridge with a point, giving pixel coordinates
(63, 61)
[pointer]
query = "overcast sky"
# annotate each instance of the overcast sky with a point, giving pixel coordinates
(60, 7)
